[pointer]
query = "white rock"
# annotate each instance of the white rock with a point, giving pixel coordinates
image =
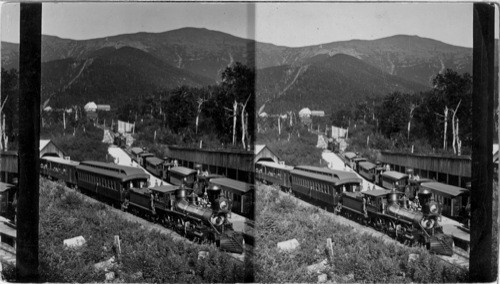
(413, 257)
(289, 245)
(105, 265)
(110, 276)
(322, 278)
(74, 242)
(202, 254)
(318, 267)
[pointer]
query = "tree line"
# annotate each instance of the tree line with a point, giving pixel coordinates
(438, 120)
(220, 115)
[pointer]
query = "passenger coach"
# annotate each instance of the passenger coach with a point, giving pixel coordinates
(273, 173)
(323, 186)
(180, 175)
(109, 180)
(59, 169)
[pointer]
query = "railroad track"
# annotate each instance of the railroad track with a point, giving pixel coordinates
(459, 259)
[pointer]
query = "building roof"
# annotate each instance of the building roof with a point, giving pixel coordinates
(394, 175)
(90, 106)
(319, 113)
(5, 186)
(304, 112)
(444, 189)
(232, 185)
(43, 144)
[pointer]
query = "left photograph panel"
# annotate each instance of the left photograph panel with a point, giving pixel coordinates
(145, 142)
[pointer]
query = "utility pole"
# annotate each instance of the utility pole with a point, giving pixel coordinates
(29, 141)
(481, 253)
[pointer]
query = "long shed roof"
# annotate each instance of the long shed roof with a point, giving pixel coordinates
(233, 185)
(444, 189)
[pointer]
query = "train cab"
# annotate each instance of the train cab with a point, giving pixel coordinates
(394, 180)
(182, 175)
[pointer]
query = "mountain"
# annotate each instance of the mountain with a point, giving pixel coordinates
(197, 56)
(326, 83)
(410, 57)
(111, 76)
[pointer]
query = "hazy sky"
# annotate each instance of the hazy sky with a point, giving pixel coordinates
(289, 24)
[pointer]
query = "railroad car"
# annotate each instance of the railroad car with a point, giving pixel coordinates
(8, 199)
(155, 166)
(108, 181)
(453, 199)
(9, 162)
(355, 163)
(370, 171)
(392, 179)
(182, 175)
(135, 151)
(381, 209)
(56, 168)
(273, 173)
(240, 194)
(323, 189)
(348, 158)
(141, 158)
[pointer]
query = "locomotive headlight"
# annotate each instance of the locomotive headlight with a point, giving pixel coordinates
(223, 205)
(217, 220)
(433, 208)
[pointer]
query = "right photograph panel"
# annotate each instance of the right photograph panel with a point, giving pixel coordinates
(365, 140)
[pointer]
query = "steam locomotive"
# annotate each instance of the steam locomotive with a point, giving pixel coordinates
(174, 206)
(381, 209)
(340, 192)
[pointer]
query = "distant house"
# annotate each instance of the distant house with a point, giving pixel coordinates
(104, 107)
(90, 107)
(318, 113)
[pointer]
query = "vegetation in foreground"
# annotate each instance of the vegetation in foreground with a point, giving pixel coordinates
(358, 257)
(147, 256)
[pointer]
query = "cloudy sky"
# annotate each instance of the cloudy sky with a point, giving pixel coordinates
(289, 24)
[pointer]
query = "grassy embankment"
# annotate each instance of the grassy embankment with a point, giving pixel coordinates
(359, 257)
(147, 256)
